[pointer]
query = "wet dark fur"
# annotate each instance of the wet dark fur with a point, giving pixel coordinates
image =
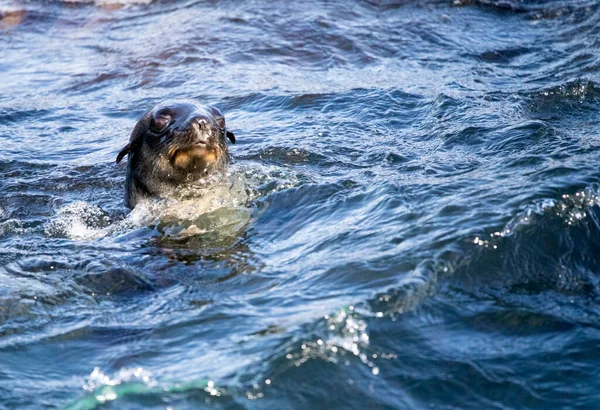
(173, 143)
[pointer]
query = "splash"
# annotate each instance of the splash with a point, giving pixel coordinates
(79, 220)
(101, 388)
(570, 208)
(346, 334)
(11, 226)
(218, 203)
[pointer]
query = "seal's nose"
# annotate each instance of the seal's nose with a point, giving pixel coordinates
(200, 121)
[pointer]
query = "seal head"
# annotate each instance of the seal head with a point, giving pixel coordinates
(173, 143)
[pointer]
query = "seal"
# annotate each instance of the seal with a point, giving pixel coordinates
(173, 143)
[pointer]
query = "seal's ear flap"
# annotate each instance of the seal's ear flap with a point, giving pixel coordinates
(126, 150)
(231, 137)
(137, 135)
(221, 122)
(218, 115)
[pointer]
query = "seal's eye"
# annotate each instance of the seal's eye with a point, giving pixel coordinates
(160, 123)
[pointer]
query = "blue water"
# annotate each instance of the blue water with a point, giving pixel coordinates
(412, 219)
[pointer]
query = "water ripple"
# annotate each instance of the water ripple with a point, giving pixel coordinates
(410, 220)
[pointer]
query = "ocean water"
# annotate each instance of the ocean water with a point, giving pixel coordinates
(412, 218)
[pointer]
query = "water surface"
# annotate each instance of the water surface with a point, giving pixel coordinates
(412, 219)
